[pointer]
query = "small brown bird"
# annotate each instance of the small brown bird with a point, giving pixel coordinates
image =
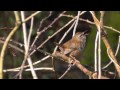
(74, 46)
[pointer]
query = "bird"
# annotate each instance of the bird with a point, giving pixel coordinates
(74, 46)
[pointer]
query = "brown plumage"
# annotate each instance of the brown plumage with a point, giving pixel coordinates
(74, 46)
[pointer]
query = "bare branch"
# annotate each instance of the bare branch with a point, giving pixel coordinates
(105, 40)
(18, 23)
(49, 37)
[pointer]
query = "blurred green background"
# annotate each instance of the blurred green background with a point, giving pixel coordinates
(7, 19)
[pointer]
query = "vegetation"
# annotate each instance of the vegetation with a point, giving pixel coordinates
(28, 49)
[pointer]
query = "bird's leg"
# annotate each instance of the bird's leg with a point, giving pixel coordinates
(73, 55)
(72, 62)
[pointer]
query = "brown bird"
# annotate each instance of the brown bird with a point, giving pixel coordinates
(74, 46)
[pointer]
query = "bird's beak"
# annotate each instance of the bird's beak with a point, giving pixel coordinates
(85, 32)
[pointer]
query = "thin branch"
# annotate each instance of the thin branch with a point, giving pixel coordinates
(32, 68)
(105, 40)
(42, 68)
(6, 28)
(26, 50)
(18, 23)
(76, 63)
(46, 28)
(35, 63)
(66, 59)
(49, 37)
(36, 69)
(13, 46)
(12, 41)
(64, 36)
(99, 45)
(111, 28)
(77, 20)
(25, 43)
(108, 52)
(26, 66)
(118, 46)
(16, 42)
(55, 49)
(76, 24)
(65, 72)
(90, 22)
(95, 53)
(31, 29)
(24, 31)
(97, 23)
(43, 20)
(32, 15)
(17, 17)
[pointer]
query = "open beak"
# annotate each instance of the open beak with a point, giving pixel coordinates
(85, 32)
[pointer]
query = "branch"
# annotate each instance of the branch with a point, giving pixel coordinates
(96, 54)
(106, 42)
(46, 28)
(26, 47)
(36, 69)
(13, 46)
(77, 63)
(49, 37)
(18, 23)
(90, 22)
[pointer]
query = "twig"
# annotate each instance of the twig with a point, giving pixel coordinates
(13, 46)
(64, 36)
(95, 55)
(42, 68)
(90, 22)
(77, 20)
(18, 23)
(17, 43)
(25, 43)
(77, 63)
(49, 37)
(108, 52)
(118, 46)
(43, 20)
(55, 49)
(32, 15)
(38, 30)
(26, 50)
(97, 23)
(111, 28)
(36, 69)
(65, 58)
(38, 61)
(105, 40)
(99, 45)
(32, 68)
(35, 63)
(65, 72)
(12, 41)
(76, 23)
(31, 29)
(6, 28)
(46, 28)
(24, 32)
